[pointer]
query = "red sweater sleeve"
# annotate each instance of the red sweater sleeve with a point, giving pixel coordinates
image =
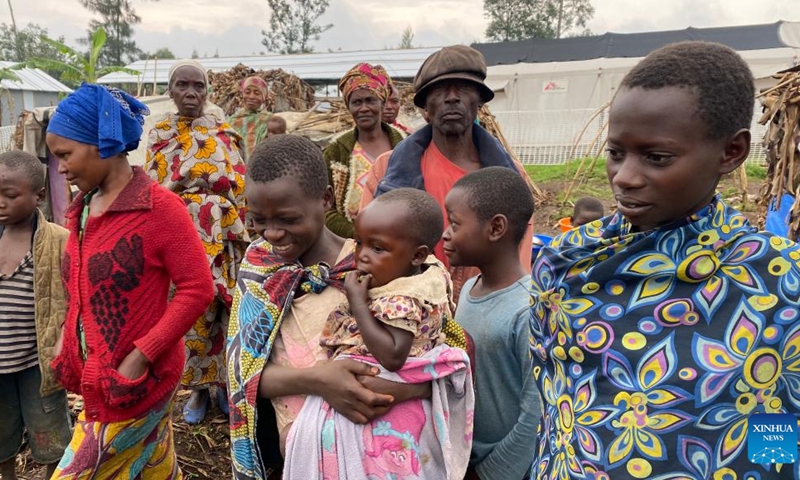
(184, 258)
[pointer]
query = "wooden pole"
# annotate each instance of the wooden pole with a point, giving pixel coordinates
(743, 184)
(16, 34)
(560, 18)
(776, 87)
(586, 127)
(155, 76)
(140, 79)
(583, 161)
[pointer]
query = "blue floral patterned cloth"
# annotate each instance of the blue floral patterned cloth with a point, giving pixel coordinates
(651, 349)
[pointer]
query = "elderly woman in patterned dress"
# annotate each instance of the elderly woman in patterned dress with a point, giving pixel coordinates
(199, 157)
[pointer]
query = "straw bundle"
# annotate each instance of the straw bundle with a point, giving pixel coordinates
(330, 116)
(322, 123)
(781, 107)
(286, 91)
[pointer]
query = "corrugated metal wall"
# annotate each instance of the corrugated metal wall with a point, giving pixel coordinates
(13, 102)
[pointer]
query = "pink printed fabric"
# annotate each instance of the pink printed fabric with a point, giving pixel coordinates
(417, 439)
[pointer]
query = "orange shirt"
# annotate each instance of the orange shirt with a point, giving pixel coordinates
(439, 175)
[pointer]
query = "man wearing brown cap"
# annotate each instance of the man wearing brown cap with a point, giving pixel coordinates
(450, 88)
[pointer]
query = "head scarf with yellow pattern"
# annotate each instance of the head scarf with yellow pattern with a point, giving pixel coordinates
(365, 76)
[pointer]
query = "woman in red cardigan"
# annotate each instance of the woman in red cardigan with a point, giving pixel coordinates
(121, 342)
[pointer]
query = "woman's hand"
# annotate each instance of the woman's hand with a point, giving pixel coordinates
(134, 365)
(338, 385)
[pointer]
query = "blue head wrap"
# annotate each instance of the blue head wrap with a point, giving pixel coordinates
(102, 116)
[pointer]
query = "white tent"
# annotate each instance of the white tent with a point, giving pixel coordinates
(546, 90)
(592, 83)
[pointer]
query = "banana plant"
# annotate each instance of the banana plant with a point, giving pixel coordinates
(74, 67)
(8, 74)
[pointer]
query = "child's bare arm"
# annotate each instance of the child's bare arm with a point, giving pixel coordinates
(400, 391)
(389, 345)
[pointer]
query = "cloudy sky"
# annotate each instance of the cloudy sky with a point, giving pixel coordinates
(234, 27)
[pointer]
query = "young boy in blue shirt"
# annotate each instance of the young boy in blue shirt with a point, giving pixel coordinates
(488, 212)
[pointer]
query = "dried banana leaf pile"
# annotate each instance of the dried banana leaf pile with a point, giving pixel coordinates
(286, 91)
(322, 123)
(330, 116)
(781, 106)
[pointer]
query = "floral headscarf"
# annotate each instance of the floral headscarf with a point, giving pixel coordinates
(257, 82)
(365, 76)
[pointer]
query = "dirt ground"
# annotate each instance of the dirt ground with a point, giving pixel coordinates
(204, 450)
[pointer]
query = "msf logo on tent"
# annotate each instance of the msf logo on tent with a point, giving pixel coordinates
(772, 438)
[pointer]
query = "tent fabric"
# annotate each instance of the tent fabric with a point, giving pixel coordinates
(627, 45)
(496, 85)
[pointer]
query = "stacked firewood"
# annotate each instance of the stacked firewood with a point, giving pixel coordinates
(781, 106)
(286, 91)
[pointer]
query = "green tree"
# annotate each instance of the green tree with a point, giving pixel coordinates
(573, 16)
(521, 19)
(26, 43)
(161, 54)
(293, 25)
(407, 40)
(75, 67)
(117, 18)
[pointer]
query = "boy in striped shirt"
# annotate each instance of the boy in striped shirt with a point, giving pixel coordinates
(32, 307)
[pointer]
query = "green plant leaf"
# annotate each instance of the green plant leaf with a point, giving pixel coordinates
(98, 42)
(61, 47)
(68, 73)
(106, 70)
(7, 74)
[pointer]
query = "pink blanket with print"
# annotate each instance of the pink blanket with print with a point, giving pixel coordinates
(418, 439)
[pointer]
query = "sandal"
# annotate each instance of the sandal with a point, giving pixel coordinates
(195, 416)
